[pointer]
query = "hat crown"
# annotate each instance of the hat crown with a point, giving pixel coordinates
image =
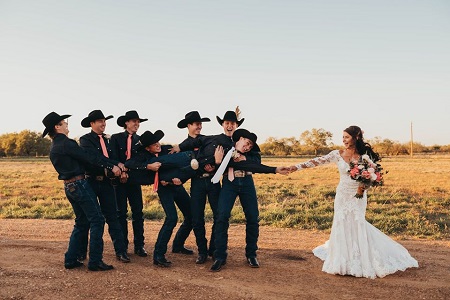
(51, 120)
(94, 115)
(238, 133)
(191, 117)
(129, 115)
(148, 138)
(132, 114)
(230, 116)
(97, 114)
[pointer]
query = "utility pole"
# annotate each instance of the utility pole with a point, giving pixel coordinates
(411, 146)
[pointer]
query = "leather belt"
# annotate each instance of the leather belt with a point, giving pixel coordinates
(98, 178)
(75, 178)
(241, 173)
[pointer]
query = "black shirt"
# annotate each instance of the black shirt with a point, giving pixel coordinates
(69, 159)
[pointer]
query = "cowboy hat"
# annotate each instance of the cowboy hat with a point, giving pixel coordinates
(190, 118)
(238, 133)
(129, 115)
(230, 116)
(51, 120)
(94, 115)
(148, 138)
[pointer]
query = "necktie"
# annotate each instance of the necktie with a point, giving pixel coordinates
(230, 174)
(128, 153)
(103, 145)
(222, 167)
(156, 181)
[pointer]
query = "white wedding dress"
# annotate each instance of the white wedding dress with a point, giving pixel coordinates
(355, 247)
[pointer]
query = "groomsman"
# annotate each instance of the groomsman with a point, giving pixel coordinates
(124, 145)
(238, 182)
(201, 186)
(102, 180)
(170, 191)
(68, 159)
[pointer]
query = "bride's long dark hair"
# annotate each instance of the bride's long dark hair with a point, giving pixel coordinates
(361, 146)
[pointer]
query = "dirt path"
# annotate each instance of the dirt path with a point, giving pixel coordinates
(32, 251)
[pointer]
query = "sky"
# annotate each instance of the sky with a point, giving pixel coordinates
(290, 66)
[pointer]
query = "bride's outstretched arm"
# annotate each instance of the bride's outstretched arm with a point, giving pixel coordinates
(317, 161)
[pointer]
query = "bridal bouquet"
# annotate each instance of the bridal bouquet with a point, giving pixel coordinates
(367, 172)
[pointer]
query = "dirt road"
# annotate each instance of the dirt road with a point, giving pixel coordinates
(32, 251)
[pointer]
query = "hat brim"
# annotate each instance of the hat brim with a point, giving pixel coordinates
(122, 119)
(86, 122)
(184, 123)
(47, 129)
(248, 135)
(237, 122)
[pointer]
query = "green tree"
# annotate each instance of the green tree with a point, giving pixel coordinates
(317, 139)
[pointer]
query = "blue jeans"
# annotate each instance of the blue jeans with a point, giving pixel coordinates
(176, 165)
(132, 194)
(243, 187)
(87, 215)
(169, 196)
(107, 197)
(201, 188)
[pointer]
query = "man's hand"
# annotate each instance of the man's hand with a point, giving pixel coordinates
(116, 170)
(209, 168)
(174, 149)
(218, 155)
(154, 166)
(122, 167)
(283, 170)
(176, 181)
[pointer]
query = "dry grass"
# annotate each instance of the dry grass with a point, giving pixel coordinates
(415, 200)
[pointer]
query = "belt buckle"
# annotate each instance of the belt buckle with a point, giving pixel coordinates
(204, 175)
(239, 173)
(99, 178)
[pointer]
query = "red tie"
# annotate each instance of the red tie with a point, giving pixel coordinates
(103, 145)
(129, 146)
(156, 181)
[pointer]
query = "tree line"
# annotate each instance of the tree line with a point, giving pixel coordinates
(310, 142)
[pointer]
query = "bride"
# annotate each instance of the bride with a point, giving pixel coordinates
(355, 247)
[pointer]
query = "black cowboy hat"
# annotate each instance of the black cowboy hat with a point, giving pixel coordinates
(94, 115)
(129, 115)
(238, 133)
(230, 116)
(190, 118)
(148, 138)
(51, 120)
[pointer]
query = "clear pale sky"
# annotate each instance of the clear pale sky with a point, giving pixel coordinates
(291, 66)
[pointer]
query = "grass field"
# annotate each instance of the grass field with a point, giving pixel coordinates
(414, 201)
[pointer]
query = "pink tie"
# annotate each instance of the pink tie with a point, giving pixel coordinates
(103, 145)
(156, 181)
(230, 174)
(128, 153)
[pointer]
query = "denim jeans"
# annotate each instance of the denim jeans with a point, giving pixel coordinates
(243, 187)
(87, 215)
(132, 194)
(202, 188)
(108, 205)
(169, 196)
(176, 165)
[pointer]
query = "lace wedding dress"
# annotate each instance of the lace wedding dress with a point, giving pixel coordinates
(355, 247)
